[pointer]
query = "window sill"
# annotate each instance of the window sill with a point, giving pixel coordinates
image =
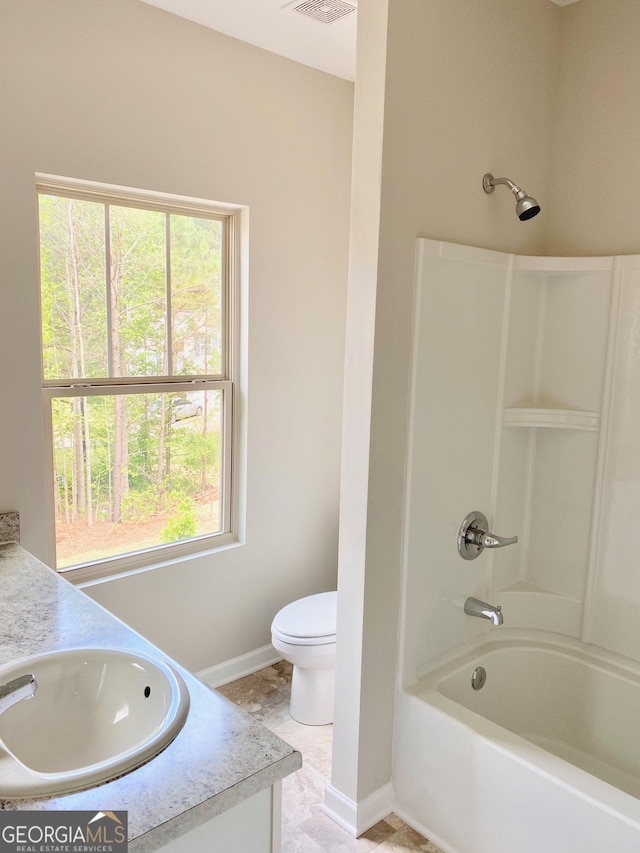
(97, 573)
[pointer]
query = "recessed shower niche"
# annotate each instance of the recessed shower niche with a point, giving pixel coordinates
(555, 366)
(517, 386)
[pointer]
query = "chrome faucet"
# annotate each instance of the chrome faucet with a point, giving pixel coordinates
(15, 691)
(475, 607)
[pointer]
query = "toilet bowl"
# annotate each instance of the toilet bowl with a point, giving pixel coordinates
(304, 633)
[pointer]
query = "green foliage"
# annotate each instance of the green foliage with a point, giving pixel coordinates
(196, 294)
(183, 524)
(138, 506)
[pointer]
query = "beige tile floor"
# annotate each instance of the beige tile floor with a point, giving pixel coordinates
(305, 829)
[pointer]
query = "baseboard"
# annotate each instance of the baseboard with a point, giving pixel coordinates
(357, 818)
(230, 670)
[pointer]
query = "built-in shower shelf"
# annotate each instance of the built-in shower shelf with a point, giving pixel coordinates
(551, 418)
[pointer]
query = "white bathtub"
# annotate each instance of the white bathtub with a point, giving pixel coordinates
(545, 758)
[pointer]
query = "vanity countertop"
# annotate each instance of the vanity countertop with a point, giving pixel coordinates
(221, 756)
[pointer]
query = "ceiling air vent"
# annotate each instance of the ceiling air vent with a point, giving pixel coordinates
(326, 11)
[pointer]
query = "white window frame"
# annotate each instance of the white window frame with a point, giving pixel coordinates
(226, 382)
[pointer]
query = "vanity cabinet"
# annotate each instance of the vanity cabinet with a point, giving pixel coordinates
(215, 787)
(252, 825)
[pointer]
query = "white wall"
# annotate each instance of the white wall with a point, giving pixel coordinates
(123, 93)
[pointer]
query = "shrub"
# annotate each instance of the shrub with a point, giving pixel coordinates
(181, 525)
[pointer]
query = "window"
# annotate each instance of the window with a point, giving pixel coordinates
(138, 358)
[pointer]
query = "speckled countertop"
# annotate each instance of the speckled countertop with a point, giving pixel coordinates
(220, 758)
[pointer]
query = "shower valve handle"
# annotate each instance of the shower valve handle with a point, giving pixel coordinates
(474, 537)
(490, 540)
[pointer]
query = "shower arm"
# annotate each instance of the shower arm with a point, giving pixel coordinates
(489, 183)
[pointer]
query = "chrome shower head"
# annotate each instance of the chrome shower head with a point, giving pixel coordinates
(526, 207)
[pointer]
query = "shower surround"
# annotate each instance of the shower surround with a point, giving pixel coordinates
(525, 400)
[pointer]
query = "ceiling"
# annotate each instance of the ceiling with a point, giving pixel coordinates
(277, 26)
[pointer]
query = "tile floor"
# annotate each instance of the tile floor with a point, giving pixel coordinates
(305, 829)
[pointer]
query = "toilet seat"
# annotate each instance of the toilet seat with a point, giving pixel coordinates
(302, 641)
(309, 621)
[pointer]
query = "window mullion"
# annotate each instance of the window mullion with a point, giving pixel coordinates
(169, 322)
(86, 389)
(107, 274)
(224, 307)
(226, 505)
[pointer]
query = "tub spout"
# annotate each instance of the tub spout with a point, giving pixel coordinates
(475, 607)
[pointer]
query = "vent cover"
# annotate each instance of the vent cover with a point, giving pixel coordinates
(326, 11)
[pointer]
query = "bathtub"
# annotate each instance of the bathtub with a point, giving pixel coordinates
(544, 758)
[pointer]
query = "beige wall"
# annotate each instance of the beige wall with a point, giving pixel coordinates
(547, 96)
(592, 206)
(123, 93)
(467, 90)
(470, 89)
(460, 86)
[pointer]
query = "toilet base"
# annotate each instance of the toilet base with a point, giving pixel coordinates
(312, 694)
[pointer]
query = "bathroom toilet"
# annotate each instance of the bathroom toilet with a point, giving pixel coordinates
(304, 633)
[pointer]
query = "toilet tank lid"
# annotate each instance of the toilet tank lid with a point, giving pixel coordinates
(313, 616)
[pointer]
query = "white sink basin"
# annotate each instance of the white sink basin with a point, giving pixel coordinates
(96, 714)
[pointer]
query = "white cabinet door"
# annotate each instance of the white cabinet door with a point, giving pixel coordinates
(252, 826)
